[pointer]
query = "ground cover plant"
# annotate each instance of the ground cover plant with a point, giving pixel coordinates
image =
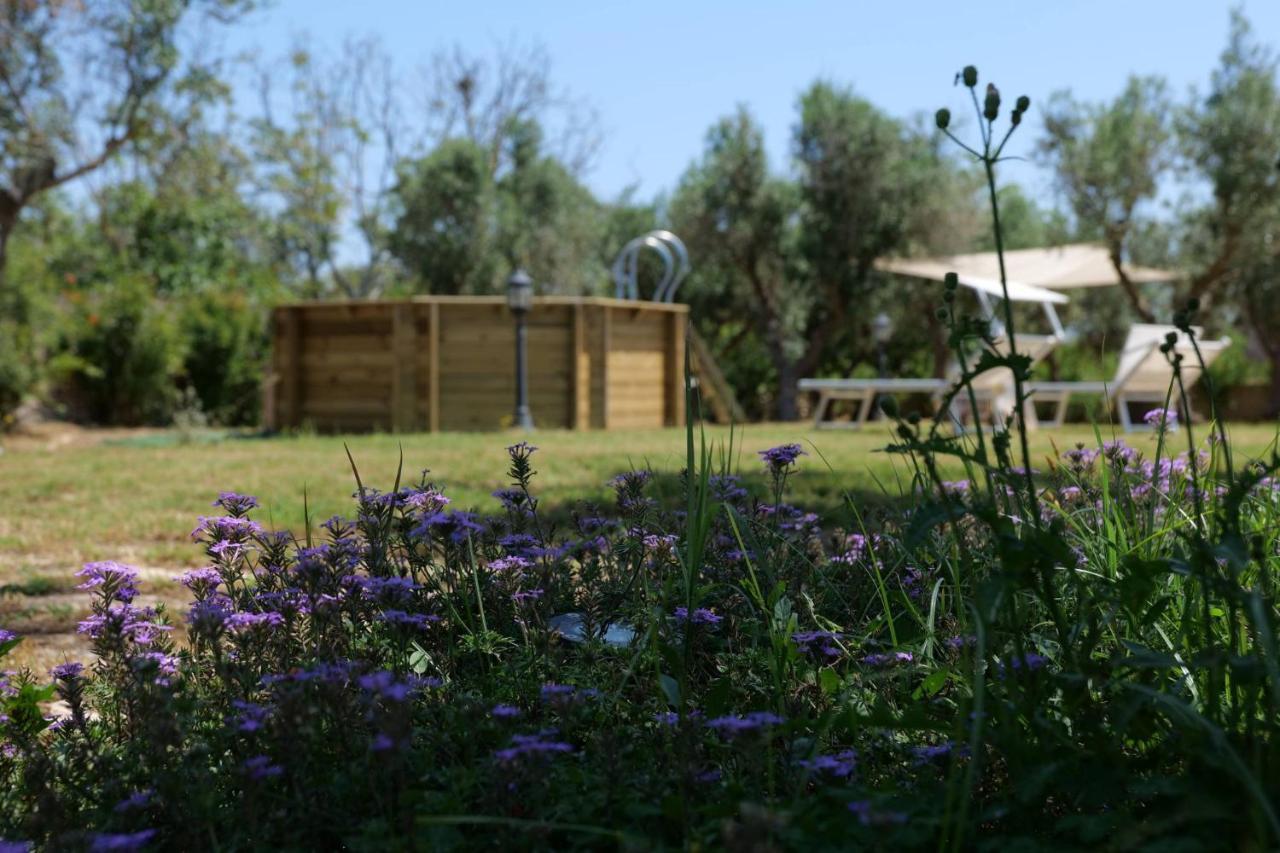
(1029, 655)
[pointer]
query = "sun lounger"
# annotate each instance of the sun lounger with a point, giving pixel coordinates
(1143, 375)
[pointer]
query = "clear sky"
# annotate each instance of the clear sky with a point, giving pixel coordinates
(659, 73)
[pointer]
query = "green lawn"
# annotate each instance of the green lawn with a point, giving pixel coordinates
(136, 500)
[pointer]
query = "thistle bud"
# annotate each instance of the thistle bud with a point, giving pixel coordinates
(889, 406)
(970, 76)
(1015, 118)
(1171, 338)
(991, 108)
(914, 418)
(941, 314)
(951, 280)
(1023, 103)
(1193, 305)
(943, 118)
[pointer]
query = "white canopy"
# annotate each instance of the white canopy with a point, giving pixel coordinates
(936, 269)
(1057, 268)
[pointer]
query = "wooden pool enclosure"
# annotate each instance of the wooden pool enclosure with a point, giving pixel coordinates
(447, 363)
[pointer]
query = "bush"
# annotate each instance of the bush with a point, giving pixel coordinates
(17, 368)
(121, 354)
(226, 340)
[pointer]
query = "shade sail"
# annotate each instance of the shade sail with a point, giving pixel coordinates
(1057, 268)
(936, 269)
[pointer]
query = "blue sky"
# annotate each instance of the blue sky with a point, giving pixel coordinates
(660, 73)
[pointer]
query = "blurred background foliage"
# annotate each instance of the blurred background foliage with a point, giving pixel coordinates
(137, 278)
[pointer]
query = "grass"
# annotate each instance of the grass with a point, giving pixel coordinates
(137, 503)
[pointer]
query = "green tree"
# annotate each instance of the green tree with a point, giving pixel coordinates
(792, 257)
(443, 227)
(1108, 159)
(78, 82)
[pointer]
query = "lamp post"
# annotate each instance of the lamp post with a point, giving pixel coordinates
(881, 331)
(520, 300)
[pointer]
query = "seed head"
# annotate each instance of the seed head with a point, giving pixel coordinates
(991, 108)
(970, 76)
(943, 118)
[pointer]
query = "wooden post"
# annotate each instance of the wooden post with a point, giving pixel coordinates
(675, 413)
(606, 334)
(433, 368)
(289, 366)
(404, 374)
(579, 373)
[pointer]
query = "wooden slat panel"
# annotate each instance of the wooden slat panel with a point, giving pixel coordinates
(433, 369)
(404, 378)
(675, 414)
(290, 352)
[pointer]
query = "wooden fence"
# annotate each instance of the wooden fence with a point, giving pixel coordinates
(447, 363)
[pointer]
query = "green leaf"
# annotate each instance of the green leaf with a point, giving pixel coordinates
(935, 681)
(829, 680)
(670, 687)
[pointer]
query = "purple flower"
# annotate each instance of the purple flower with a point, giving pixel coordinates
(417, 621)
(225, 528)
(782, 457)
(67, 671)
(118, 582)
(427, 501)
(260, 768)
(201, 582)
(536, 745)
(512, 500)
(732, 726)
(385, 684)
(6, 635)
(512, 565)
(822, 644)
(384, 590)
(1162, 420)
(955, 488)
(887, 659)
(136, 800)
(252, 716)
(209, 616)
(841, 765)
(1029, 662)
(726, 488)
(869, 816)
(235, 504)
(7, 846)
(505, 712)
(701, 616)
(455, 525)
(105, 841)
(934, 752)
(244, 623)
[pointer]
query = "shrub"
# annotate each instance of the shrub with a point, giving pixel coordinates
(226, 345)
(121, 354)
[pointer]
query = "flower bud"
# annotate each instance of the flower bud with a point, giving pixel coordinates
(889, 406)
(1171, 339)
(951, 280)
(943, 118)
(1023, 103)
(991, 108)
(970, 76)
(1193, 305)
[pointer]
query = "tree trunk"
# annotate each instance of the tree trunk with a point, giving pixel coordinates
(8, 221)
(788, 388)
(1273, 394)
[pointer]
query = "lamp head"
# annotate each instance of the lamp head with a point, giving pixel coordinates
(519, 292)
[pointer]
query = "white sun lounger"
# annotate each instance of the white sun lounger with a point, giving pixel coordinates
(993, 389)
(1143, 374)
